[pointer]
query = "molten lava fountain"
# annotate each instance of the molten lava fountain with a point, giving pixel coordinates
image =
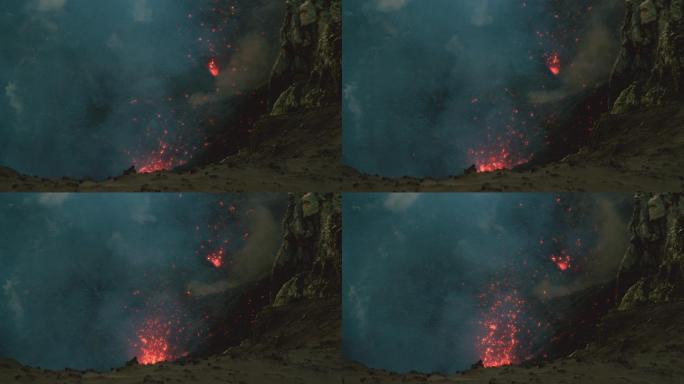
(499, 342)
(153, 345)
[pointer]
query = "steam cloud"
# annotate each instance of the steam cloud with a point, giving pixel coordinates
(413, 276)
(78, 273)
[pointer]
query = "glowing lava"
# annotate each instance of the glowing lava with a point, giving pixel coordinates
(553, 62)
(490, 161)
(216, 258)
(562, 261)
(153, 346)
(156, 166)
(498, 346)
(158, 161)
(213, 67)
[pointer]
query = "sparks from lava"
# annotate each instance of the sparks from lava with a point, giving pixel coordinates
(216, 258)
(506, 136)
(499, 343)
(153, 345)
(491, 161)
(562, 261)
(158, 160)
(553, 62)
(166, 157)
(213, 67)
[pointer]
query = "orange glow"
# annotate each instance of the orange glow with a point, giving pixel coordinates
(500, 341)
(216, 258)
(553, 62)
(562, 261)
(153, 347)
(499, 159)
(213, 67)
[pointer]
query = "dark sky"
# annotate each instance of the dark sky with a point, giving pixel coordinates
(82, 276)
(90, 87)
(421, 271)
(432, 87)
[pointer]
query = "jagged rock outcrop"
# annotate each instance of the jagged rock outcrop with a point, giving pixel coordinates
(309, 262)
(652, 268)
(308, 70)
(648, 70)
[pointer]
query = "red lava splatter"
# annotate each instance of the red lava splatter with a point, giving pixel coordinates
(213, 67)
(506, 137)
(553, 62)
(495, 160)
(499, 344)
(216, 258)
(153, 345)
(158, 161)
(562, 261)
(156, 166)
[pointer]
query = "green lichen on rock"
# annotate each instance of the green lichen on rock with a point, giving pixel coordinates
(648, 71)
(652, 268)
(308, 264)
(308, 70)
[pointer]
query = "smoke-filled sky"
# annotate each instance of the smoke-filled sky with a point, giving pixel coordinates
(90, 87)
(432, 87)
(432, 281)
(85, 278)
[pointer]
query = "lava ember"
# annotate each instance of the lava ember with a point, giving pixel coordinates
(213, 67)
(562, 261)
(216, 258)
(500, 328)
(553, 62)
(153, 346)
(499, 159)
(158, 161)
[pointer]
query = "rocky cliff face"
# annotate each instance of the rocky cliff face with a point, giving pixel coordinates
(649, 68)
(308, 70)
(652, 270)
(309, 262)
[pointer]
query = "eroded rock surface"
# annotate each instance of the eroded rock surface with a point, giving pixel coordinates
(308, 264)
(651, 270)
(308, 70)
(648, 71)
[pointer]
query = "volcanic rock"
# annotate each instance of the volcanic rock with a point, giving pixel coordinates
(308, 70)
(648, 70)
(651, 270)
(308, 264)
(132, 362)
